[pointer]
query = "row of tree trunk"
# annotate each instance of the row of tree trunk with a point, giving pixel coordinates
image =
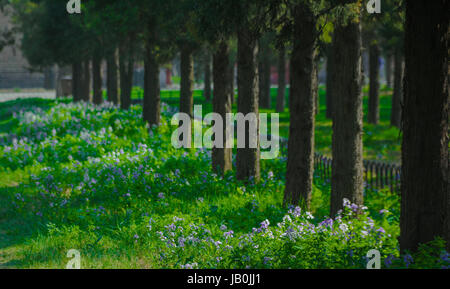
(374, 84)
(264, 74)
(345, 106)
(119, 73)
(420, 109)
(422, 114)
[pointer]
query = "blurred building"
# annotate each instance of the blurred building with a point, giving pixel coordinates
(15, 72)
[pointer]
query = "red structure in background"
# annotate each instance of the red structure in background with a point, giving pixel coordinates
(274, 74)
(168, 76)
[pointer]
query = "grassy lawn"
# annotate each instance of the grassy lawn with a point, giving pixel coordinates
(96, 180)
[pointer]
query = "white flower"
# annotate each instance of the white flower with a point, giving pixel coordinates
(346, 202)
(287, 219)
(343, 227)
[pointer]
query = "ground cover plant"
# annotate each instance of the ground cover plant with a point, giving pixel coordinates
(99, 180)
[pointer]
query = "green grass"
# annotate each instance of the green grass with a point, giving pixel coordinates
(65, 199)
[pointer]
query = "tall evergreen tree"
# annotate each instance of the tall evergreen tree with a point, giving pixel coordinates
(392, 40)
(214, 23)
(187, 78)
(221, 157)
(329, 81)
(112, 75)
(300, 166)
(247, 159)
(397, 96)
(281, 94)
(97, 79)
(207, 76)
(388, 64)
(347, 168)
(264, 70)
(374, 83)
(425, 200)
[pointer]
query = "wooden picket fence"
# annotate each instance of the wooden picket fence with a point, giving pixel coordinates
(377, 175)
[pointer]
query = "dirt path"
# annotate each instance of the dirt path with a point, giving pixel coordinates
(7, 96)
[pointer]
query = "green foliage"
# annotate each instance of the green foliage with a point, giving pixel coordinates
(391, 25)
(124, 197)
(50, 34)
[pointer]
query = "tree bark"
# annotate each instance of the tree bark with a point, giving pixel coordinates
(264, 77)
(231, 79)
(300, 164)
(388, 69)
(112, 85)
(347, 167)
(126, 70)
(374, 75)
(86, 79)
(247, 159)
(221, 157)
(316, 86)
(48, 78)
(97, 79)
(396, 110)
(152, 98)
(187, 80)
(329, 81)
(425, 201)
(281, 96)
(76, 81)
(207, 71)
(58, 86)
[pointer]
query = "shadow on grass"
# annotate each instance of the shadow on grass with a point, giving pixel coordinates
(15, 229)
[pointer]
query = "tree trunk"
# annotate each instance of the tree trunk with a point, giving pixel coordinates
(267, 83)
(300, 164)
(396, 110)
(221, 157)
(207, 70)
(76, 81)
(231, 78)
(97, 79)
(152, 99)
(58, 86)
(48, 78)
(187, 81)
(112, 85)
(126, 70)
(388, 69)
(260, 82)
(264, 77)
(347, 168)
(86, 81)
(247, 159)
(316, 86)
(425, 161)
(281, 94)
(374, 75)
(329, 81)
